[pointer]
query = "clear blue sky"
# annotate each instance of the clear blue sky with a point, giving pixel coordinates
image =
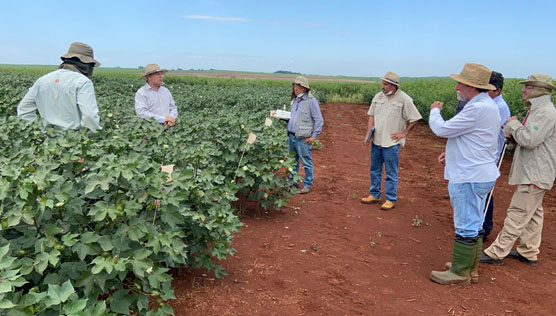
(357, 38)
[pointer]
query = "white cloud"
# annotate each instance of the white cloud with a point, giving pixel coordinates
(217, 18)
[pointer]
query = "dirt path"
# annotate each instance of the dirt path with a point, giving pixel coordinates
(328, 254)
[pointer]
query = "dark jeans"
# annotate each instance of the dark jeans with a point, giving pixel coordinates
(487, 224)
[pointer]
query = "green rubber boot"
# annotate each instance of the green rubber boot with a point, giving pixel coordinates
(463, 258)
(475, 267)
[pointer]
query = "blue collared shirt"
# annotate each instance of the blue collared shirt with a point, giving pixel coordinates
(472, 140)
(156, 104)
(504, 111)
(318, 121)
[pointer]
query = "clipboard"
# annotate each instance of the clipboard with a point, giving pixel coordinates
(369, 136)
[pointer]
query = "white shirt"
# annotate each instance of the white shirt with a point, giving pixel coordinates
(156, 104)
(64, 98)
(472, 140)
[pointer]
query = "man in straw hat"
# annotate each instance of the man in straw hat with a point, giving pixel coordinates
(155, 101)
(65, 98)
(304, 127)
(470, 167)
(497, 80)
(533, 171)
(392, 115)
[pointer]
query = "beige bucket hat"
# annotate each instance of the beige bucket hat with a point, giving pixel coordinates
(392, 77)
(540, 80)
(302, 81)
(153, 68)
(475, 75)
(82, 51)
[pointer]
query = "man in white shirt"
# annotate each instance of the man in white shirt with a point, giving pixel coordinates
(155, 101)
(471, 170)
(65, 98)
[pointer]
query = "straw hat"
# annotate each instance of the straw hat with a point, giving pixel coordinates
(153, 68)
(82, 51)
(302, 81)
(474, 75)
(540, 80)
(391, 77)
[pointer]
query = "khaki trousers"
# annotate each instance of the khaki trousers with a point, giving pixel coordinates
(524, 221)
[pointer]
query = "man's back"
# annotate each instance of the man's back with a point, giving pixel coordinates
(64, 98)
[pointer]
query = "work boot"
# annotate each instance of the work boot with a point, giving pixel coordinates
(516, 255)
(475, 267)
(370, 200)
(463, 257)
(388, 205)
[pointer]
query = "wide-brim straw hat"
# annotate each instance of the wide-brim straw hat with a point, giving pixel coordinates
(81, 51)
(540, 80)
(392, 78)
(302, 81)
(475, 75)
(153, 68)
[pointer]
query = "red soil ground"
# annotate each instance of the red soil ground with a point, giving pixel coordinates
(328, 254)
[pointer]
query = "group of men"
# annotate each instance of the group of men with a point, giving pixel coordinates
(476, 136)
(66, 99)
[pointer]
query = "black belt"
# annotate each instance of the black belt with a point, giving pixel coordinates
(290, 133)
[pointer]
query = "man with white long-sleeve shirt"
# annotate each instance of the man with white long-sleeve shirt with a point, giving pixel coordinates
(155, 101)
(471, 170)
(65, 98)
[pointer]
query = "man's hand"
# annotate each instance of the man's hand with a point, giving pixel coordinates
(513, 118)
(437, 105)
(310, 140)
(442, 158)
(169, 121)
(398, 136)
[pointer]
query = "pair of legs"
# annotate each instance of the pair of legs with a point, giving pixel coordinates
(524, 221)
(302, 151)
(389, 158)
(468, 201)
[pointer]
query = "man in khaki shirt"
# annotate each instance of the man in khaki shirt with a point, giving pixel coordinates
(392, 115)
(533, 172)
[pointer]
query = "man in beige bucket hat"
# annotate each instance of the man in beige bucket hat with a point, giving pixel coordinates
(155, 101)
(392, 115)
(470, 167)
(533, 172)
(65, 98)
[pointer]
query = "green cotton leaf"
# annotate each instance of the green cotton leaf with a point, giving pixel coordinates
(141, 266)
(5, 286)
(102, 264)
(4, 250)
(121, 302)
(127, 174)
(158, 276)
(69, 239)
(89, 237)
(6, 304)
(142, 303)
(98, 214)
(57, 294)
(96, 310)
(83, 250)
(74, 307)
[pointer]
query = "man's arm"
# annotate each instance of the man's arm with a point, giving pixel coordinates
(318, 120)
(87, 103)
(27, 107)
(457, 126)
(173, 107)
(398, 136)
(537, 130)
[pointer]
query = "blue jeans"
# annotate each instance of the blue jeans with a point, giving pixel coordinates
(468, 201)
(387, 156)
(302, 151)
